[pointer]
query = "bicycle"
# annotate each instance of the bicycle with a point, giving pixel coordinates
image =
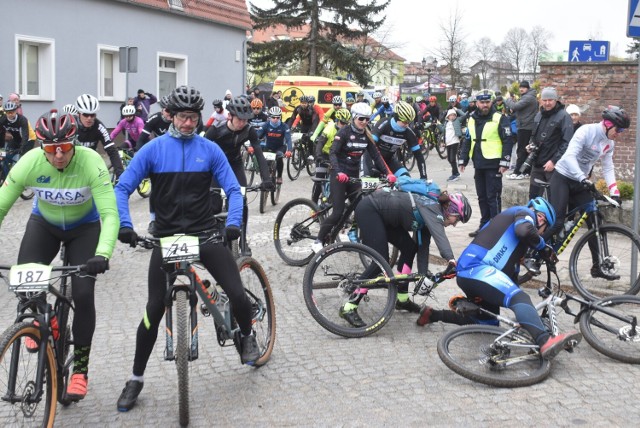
(34, 381)
(126, 154)
(433, 137)
(251, 165)
(339, 270)
(508, 356)
(8, 160)
(301, 156)
(239, 247)
(184, 285)
(298, 223)
(618, 247)
(406, 157)
(270, 157)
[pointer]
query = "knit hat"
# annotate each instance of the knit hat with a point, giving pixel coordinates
(525, 84)
(452, 111)
(228, 92)
(573, 109)
(549, 93)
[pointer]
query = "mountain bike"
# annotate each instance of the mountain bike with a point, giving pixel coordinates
(180, 254)
(341, 270)
(301, 156)
(270, 157)
(298, 223)
(617, 248)
(7, 161)
(33, 381)
(433, 137)
(126, 154)
(508, 356)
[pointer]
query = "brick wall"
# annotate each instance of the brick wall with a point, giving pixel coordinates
(592, 86)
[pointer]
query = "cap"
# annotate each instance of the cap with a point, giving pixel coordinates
(549, 93)
(525, 84)
(573, 109)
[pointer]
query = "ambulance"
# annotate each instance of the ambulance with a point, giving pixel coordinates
(323, 88)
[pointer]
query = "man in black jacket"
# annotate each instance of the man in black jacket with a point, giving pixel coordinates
(525, 110)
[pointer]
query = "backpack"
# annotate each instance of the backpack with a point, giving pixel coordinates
(418, 186)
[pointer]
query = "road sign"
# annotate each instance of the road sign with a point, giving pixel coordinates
(588, 50)
(633, 19)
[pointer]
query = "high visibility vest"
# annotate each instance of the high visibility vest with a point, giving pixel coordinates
(491, 147)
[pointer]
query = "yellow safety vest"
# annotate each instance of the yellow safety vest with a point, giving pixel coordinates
(491, 143)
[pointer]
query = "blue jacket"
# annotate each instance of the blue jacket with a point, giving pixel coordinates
(276, 136)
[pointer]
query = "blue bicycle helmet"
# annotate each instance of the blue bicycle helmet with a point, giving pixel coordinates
(540, 204)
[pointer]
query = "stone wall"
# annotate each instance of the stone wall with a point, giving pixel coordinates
(592, 86)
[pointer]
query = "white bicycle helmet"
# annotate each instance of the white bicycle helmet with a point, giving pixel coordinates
(452, 99)
(360, 109)
(87, 104)
(377, 95)
(275, 111)
(70, 109)
(384, 100)
(128, 110)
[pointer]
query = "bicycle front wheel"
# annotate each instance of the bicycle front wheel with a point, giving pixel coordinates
(182, 354)
(264, 194)
(275, 195)
(328, 285)
(616, 338)
(618, 255)
(407, 158)
(249, 167)
(63, 343)
(296, 228)
(258, 290)
(294, 164)
(441, 146)
(18, 372)
(482, 354)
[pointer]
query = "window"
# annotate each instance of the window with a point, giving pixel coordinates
(172, 72)
(35, 71)
(111, 83)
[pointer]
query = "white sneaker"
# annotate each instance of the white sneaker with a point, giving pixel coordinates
(519, 177)
(316, 246)
(512, 176)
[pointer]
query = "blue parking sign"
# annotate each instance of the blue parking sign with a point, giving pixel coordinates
(588, 50)
(633, 19)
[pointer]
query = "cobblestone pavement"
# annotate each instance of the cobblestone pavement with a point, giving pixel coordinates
(315, 378)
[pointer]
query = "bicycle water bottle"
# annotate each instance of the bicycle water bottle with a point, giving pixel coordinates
(353, 233)
(568, 226)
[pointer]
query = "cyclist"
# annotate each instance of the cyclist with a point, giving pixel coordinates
(346, 153)
(181, 165)
(431, 112)
(14, 132)
(312, 102)
(277, 139)
(305, 116)
(259, 118)
(57, 169)
(70, 109)
(377, 101)
(349, 102)
(219, 115)
(384, 110)
(570, 185)
(391, 134)
(361, 99)
(323, 147)
(231, 136)
(330, 115)
(132, 125)
(488, 268)
(91, 131)
(157, 124)
(388, 217)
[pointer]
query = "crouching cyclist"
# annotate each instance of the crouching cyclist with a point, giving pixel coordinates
(62, 167)
(488, 268)
(277, 139)
(181, 165)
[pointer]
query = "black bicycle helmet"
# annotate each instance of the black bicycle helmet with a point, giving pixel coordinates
(56, 127)
(617, 116)
(217, 102)
(185, 98)
(164, 101)
(240, 107)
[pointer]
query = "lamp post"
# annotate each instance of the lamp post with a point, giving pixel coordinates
(429, 66)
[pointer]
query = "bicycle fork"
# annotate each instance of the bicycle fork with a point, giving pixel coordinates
(169, 353)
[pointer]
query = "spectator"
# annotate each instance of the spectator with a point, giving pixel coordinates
(258, 95)
(227, 97)
(525, 110)
(143, 103)
(574, 112)
(272, 101)
(452, 136)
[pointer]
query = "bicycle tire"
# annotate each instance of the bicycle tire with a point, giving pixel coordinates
(258, 290)
(610, 336)
(293, 165)
(182, 354)
(295, 230)
(465, 351)
(275, 195)
(441, 146)
(311, 167)
(63, 344)
(325, 297)
(263, 200)
(144, 188)
(249, 167)
(22, 413)
(622, 245)
(408, 159)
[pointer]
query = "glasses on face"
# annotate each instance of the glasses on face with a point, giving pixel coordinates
(52, 148)
(257, 109)
(88, 114)
(193, 117)
(362, 119)
(342, 122)
(274, 117)
(337, 105)
(620, 130)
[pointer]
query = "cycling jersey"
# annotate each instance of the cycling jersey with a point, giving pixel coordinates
(431, 112)
(348, 147)
(307, 116)
(258, 120)
(19, 130)
(156, 125)
(133, 129)
(90, 137)
(79, 194)
(390, 139)
(384, 111)
(276, 136)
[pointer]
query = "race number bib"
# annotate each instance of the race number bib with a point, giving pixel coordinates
(270, 156)
(369, 183)
(29, 277)
(178, 248)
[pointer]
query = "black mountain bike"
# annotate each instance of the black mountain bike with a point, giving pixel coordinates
(301, 156)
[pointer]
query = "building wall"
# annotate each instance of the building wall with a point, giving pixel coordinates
(214, 52)
(594, 85)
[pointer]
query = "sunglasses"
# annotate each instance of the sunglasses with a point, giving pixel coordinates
(88, 114)
(363, 119)
(52, 148)
(620, 130)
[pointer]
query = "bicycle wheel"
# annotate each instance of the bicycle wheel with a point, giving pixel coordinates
(311, 168)
(619, 246)
(249, 167)
(263, 200)
(615, 338)
(18, 372)
(328, 285)
(256, 286)
(63, 343)
(182, 354)
(275, 195)
(441, 146)
(294, 164)
(482, 354)
(144, 188)
(295, 229)
(407, 158)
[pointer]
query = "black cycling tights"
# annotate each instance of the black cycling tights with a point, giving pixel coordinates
(217, 259)
(41, 243)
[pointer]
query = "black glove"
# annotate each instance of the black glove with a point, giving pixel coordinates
(449, 272)
(128, 236)
(548, 254)
(268, 186)
(96, 265)
(232, 233)
(617, 199)
(588, 184)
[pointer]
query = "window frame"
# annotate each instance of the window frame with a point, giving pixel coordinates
(46, 67)
(182, 69)
(119, 79)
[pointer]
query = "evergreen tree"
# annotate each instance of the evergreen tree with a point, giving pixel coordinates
(634, 48)
(337, 43)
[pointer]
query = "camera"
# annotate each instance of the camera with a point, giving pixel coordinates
(533, 149)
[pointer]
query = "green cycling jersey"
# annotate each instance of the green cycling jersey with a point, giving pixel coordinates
(81, 193)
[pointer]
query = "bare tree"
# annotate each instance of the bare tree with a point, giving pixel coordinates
(453, 49)
(379, 48)
(538, 38)
(514, 50)
(485, 54)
